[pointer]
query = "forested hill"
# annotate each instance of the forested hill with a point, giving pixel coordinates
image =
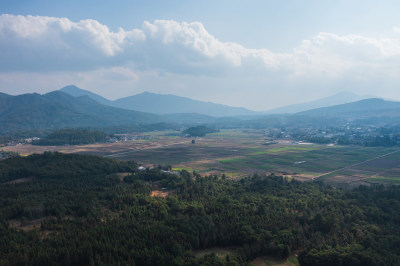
(81, 210)
(60, 110)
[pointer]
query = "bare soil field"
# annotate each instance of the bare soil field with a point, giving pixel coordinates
(103, 149)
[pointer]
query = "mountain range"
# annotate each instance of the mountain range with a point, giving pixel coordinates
(60, 110)
(163, 104)
(336, 99)
(373, 107)
(167, 104)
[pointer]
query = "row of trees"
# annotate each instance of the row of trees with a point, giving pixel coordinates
(199, 131)
(72, 137)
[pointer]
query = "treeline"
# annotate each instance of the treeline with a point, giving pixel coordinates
(139, 128)
(199, 131)
(55, 165)
(360, 140)
(371, 141)
(21, 135)
(91, 215)
(72, 137)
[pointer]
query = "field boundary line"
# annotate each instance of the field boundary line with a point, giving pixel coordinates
(352, 165)
(136, 150)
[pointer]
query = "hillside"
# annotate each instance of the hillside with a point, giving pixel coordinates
(339, 98)
(163, 104)
(60, 110)
(70, 209)
(76, 92)
(372, 107)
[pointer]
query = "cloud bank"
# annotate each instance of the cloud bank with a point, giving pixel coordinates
(171, 50)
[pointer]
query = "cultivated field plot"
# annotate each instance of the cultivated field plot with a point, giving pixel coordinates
(238, 153)
(156, 140)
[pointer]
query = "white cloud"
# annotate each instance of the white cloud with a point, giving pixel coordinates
(34, 43)
(333, 56)
(170, 54)
(46, 43)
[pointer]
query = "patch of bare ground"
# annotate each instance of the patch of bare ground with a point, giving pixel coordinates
(21, 180)
(160, 193)
(36, 224)
(301, 177)
(27, 226)
(219, 252)
(97, 148)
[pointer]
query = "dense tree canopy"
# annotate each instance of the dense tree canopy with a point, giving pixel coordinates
(199, 131)
(91, 214)
(72, 137)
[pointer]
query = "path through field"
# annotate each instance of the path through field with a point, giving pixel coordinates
(155, 147)
(356, 164)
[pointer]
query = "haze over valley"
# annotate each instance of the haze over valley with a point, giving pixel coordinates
(199, 133)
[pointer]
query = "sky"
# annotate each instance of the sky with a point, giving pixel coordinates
(255, 54)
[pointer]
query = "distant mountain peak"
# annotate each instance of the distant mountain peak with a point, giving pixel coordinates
(58, 109)
(151, 102)
(336, 99)
(78, 92)
(172, 104)
(70, 87)
(371, 106)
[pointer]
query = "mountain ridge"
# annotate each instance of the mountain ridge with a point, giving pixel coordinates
(60, 110)
(336, 99)
(164, 104)
(370, 107)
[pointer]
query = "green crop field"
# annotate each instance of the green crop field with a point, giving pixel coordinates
(238, 153)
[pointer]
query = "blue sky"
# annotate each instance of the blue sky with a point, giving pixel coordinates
(256, 54)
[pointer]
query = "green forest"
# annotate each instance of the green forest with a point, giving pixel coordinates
(72, 137)
(199, 131)
(91, 214)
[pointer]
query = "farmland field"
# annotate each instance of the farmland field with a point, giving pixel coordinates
(238, 153)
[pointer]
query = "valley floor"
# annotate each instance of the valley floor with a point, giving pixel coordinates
(238, 153)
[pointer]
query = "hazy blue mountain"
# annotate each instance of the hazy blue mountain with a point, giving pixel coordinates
(377, 112)
(339, 98)
(188, 118)
(60, 110)
(3, 95)
(163, 104)
(372, 107)
(76, 92)
(171, 104)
